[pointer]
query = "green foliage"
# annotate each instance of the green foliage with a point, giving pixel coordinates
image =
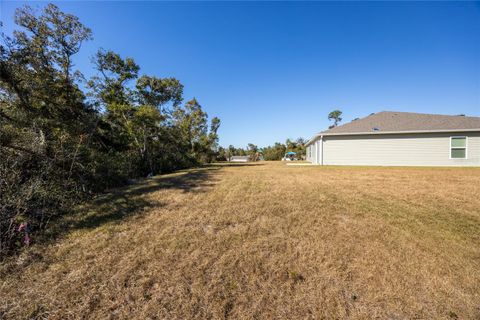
(59, 144)
(109, 87)
(275, 152)
(157, 92)
(253, 152)
(297, 146)
(278, 150)
(336, 116)
(271, 153)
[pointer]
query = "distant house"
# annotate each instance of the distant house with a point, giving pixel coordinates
(239, 159)
(399, 139)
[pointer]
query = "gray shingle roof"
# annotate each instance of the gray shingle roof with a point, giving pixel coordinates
(389, 121)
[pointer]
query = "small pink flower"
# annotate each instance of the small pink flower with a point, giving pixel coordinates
(22, 226)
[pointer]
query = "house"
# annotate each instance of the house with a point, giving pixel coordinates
(399, 139)
(239, 159)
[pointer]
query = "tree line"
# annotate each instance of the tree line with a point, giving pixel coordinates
(274, 152)
(64, 138)
(278, 150)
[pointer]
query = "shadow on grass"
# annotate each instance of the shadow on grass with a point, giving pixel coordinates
(128, 201)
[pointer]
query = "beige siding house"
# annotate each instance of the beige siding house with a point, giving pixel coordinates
(399, 139)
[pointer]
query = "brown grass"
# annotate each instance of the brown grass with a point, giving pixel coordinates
(263, 241)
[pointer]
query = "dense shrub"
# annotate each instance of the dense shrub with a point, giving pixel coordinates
(61, 143)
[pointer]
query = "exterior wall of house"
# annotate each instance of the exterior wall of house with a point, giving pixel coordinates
(319, 150)
(310, 153)
(313, 152)
(240, 159)
(425, 149)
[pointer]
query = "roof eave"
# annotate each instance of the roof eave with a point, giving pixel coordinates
(314, 138)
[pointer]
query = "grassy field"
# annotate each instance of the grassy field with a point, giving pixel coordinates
(262, 241)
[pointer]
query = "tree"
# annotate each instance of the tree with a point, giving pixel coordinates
(201, 140)
(192, 122)
(252, 152)
(335, 115)
(230, 152)
(157, 92)
(45, 124)
(221, 154)
(290, 145)
(275, 152)
(60, 144)
(300, 148)
(109, 87)
(212, 147)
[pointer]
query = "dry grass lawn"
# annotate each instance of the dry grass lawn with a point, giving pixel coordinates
(263, 241)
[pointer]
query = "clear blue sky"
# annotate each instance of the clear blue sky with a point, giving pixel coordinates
(273, 70)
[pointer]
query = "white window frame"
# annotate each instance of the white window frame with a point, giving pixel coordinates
(466, 148)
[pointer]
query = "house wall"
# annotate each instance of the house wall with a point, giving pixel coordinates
(309, 153)
(239, 159)
(319, 150)
(312, 152)
(428, 149)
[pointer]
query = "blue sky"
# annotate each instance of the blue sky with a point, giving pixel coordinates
(274, 70)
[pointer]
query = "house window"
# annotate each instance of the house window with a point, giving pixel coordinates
(458, 147)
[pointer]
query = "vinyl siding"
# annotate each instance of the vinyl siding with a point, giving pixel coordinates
(312, 154)
(319, 150)
(308, 153)
(315, 155)
(429, 149)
